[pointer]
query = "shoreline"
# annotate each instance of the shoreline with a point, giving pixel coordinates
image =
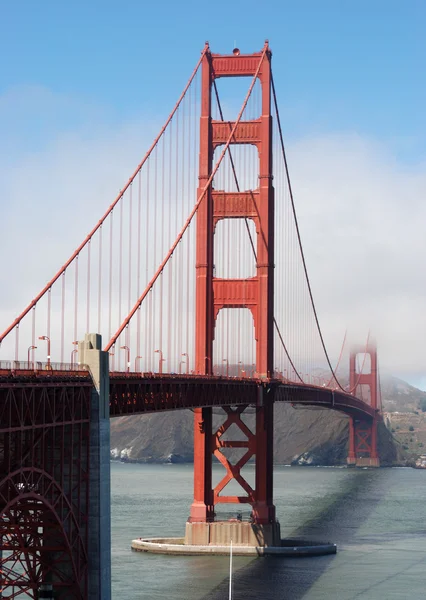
(165, 461)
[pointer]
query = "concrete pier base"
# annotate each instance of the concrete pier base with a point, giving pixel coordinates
(368, 461)
(248, 539)
(220, 533)
(363, 462)
(176, 546)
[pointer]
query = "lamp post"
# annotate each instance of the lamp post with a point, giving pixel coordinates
(160, 361)
(127, 349)
(227, 366)
(47, 339)
(253, 370)
(136, 360)
(73, 353)
(209, 365)
(29, 352)
(240, 362)
(187, 361)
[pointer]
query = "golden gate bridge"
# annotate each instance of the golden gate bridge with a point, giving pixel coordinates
(196, 278)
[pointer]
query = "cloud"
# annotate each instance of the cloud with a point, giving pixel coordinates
(52, 196)
(361, 212)
(362, 216)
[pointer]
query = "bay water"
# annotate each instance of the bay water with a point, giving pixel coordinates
(377, 518)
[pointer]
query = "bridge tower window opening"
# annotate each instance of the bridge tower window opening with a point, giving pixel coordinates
(363, 363)
(235, 342)
(228, 94)
(239, 169)
(234, 256)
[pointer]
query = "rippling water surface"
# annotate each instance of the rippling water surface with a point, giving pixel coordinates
(376, 517)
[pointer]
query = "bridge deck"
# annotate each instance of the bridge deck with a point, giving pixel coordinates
(138, 393)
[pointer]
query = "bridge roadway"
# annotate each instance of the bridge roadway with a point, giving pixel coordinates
(136, 393)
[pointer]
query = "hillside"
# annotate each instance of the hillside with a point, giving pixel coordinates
(402, 404)
(313, 436)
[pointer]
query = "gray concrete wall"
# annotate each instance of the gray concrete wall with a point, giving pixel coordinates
(242, 533)
(90, 353)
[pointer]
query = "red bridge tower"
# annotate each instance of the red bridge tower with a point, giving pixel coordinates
(363, 432)
(255, 293)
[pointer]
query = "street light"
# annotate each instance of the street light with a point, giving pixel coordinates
(253, 369)
(73, 353)
(128, 356)
(227, 366)
(29, 351)
(240, 362)
(136, 360)
(47, 339)
(209, 365)
(187, 361)
(160, 361)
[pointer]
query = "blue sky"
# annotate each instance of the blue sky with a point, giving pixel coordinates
(339, 64)
(88, 84)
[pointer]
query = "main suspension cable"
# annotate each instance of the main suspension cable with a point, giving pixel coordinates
(300, 244)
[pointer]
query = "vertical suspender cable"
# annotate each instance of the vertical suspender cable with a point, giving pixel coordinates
(63, 317)
(100, 281)
(130, 245)
(17, 342)
(76, 300)
(49, 311)
(33, 327)
(88, 288)
(147, 336)
(111, 239)
(138, 267)
(120, 267)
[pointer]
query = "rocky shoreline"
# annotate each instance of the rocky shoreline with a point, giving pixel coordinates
(301, 436)
(152, 460)
(307, 459)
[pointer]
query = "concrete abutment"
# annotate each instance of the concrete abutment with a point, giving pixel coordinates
(90, 353)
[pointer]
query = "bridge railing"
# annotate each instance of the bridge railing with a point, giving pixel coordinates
(36, 366)
(310, 381)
